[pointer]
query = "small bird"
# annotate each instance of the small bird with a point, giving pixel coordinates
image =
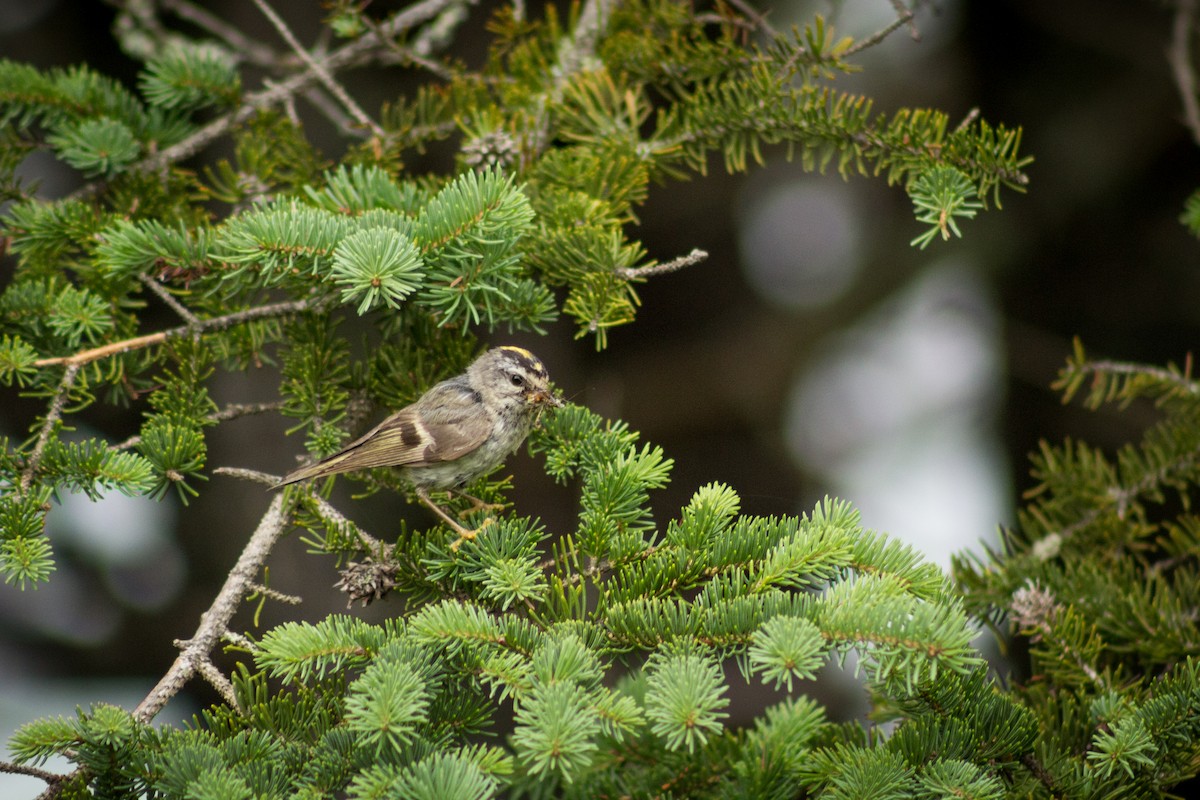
(460, 429)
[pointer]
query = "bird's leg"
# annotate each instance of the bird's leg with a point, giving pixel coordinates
(476, 504)
(463, 533)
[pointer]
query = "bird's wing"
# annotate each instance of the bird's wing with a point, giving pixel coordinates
(454, 421)
(451, 427)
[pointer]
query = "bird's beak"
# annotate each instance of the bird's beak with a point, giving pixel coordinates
(544, 398)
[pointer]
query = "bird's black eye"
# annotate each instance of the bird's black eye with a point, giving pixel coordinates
(517, 380)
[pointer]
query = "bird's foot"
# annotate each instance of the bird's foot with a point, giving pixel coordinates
(477, 505)
(465, 534)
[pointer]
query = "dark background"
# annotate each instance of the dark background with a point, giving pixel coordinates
(1094, 250)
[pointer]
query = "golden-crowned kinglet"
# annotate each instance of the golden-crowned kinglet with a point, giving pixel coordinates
(460, 429)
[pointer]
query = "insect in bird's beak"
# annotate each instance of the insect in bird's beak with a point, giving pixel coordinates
(543, 398)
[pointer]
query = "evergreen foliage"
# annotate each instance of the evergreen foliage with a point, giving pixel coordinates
(606, 653)
(1100, 575)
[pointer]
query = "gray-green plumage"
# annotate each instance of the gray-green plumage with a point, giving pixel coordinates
(460, 429)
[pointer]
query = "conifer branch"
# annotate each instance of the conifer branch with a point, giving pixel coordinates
(204, 326)
(335, 88)
(231, 411)
(1179, 56)
(359, 48)
(576, 51)
(1158, 374)
(1124, 495)
(195, 657)
(215, 622)
(221, 125)
(52, 418)
(1069, 653)
(493, 622)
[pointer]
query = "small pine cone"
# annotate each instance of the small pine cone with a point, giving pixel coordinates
(1033, 608)
(366, 581)
(493, 149)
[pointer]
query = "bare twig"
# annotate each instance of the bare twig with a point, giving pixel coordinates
(52, 418)
(111, 349)
(713, 18)
(241, 45)
(412, 16)
(760, 20)
(275, 594)
(240, 641)
(329, 109)
(1179, 56)
(215, 622)
(202, 326)
(335, 88)
(433, 37)
(33, 772)
(248, 475)
(904, 17)
(905, 12)
(404, 55)
(967, 120)
(235, 410)
(440, 32)
(218, 681)
(323, 507)
(326, 510)
(674, 265)
(176, 306)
